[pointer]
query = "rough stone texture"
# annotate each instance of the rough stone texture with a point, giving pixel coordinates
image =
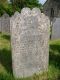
(5, 23)
(56, 29)
(29, 41)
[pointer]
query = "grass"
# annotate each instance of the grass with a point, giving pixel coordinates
(6, 61)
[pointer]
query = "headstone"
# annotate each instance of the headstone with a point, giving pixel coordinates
(29, 42)
(5, 23)
(56, 29)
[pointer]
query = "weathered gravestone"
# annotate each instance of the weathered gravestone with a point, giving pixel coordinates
(5, 23)
(29, 41)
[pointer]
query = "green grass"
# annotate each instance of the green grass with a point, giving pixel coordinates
(6, 61)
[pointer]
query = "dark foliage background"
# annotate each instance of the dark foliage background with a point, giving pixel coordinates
(17, 5)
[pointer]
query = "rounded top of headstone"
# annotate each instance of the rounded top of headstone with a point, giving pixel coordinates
(17, 14)
(36, 11)
(25, 11)
(5, 15)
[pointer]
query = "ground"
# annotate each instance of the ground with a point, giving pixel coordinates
(6, 61)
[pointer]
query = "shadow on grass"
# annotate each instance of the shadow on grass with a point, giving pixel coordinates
(6, 37)
(6, 59)
(54, 56)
